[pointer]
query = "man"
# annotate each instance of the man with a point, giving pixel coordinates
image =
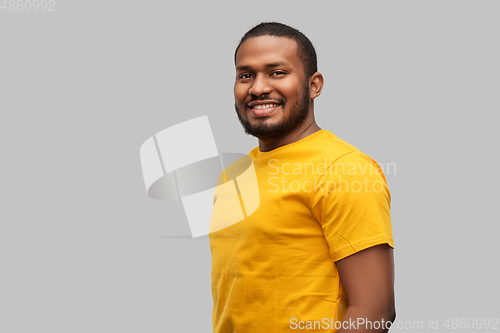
(317, 253)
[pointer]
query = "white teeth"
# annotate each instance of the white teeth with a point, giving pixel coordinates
(264, 106)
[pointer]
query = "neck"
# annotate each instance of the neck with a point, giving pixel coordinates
(307, 128)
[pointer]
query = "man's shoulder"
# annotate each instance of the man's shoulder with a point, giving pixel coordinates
(339, 152)
(332, 147)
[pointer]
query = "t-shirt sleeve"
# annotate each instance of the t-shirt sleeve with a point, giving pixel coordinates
(352, 205)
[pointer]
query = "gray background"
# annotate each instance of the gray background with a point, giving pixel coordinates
(84, 249)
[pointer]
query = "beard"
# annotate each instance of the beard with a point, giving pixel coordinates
(298, 113)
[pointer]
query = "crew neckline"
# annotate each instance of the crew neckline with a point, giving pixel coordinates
(305, 139)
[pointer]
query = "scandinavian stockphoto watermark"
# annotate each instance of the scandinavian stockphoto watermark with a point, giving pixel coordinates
(328, 176)
(218, 190)
(463, 324)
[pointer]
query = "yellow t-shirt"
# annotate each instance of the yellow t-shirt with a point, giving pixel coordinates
(319, 200)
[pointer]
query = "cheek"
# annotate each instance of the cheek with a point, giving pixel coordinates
(239, 94)
(288, 89)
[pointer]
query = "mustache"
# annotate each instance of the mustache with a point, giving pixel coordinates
(265, 98)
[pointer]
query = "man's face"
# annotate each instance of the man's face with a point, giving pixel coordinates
(271, 91)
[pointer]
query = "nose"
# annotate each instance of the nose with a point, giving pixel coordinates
(260, 86)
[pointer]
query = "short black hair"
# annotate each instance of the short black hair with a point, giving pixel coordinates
(305, 49)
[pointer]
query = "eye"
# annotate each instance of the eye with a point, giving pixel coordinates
(245, 76)
(278, 73)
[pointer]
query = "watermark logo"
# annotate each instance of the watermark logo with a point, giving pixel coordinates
(182, 163)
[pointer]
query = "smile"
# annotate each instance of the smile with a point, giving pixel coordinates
(264, 106)
(263, 110)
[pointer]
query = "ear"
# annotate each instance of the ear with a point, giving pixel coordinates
(315, 85)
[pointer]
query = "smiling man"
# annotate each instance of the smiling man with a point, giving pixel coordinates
(317, 253)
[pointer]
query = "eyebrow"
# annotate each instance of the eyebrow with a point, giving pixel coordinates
(271, 65)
